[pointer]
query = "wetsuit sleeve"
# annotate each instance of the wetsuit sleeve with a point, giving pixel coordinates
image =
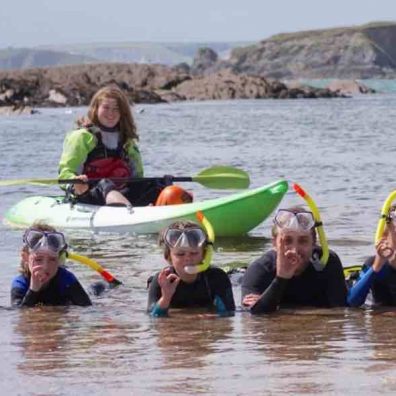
(222, 292)
(257, 277)
(78, 295)
(357, 294)
(270, 300)
(260, 279)
(154, 294)
(336, 285)
(20, 292)
(30, 299)
(76, 147)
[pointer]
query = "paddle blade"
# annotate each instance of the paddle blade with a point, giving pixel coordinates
(223, 177)
(18, 182)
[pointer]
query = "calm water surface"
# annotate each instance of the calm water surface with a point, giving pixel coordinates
(341, 151)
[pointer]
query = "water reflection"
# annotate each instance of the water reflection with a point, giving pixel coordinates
(43, 338)
(115, 348)
(188, 340)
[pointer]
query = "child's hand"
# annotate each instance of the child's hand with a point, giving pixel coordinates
(38, 276)
(287, 261)
(80, 189)
(386, 249)
(250, 299)
(168, 283)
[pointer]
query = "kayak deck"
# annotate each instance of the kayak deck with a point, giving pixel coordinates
(231, 215)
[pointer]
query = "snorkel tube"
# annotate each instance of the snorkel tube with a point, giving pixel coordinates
(319, 225)
(113, 282)
(384, 214)
(195, 269)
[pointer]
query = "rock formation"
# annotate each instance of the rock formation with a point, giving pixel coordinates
(368, 51)
(75, 85)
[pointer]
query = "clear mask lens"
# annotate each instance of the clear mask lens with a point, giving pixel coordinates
(301, 221)
(189, 238)
(37, 240)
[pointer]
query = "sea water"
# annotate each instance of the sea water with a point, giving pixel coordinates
(342, 151)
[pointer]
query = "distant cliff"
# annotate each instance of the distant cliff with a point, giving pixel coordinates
(367, 51)
(128, 52)
(24, 58)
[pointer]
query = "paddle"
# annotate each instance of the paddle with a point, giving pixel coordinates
(221, 177)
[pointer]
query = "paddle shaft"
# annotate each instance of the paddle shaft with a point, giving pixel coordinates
(125, 180)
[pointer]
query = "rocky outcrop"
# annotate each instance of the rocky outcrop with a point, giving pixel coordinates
(228, 85)
(75, 85)
(17, 110)
(203, 61)
(367, 51)
(349, 87)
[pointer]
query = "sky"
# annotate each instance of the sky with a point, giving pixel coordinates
(27, 23)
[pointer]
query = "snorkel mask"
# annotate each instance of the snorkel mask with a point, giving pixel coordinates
(294, 221)
(190, 238)
(50, 241)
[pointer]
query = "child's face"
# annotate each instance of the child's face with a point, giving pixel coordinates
(181, 258)
(299, 241)
(109, 112)
(46, 263)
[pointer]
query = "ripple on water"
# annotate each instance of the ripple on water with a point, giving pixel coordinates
(331, 147)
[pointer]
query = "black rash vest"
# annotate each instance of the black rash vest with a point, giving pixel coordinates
(201, 293)
(326, 288)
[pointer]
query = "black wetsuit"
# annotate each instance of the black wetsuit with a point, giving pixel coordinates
(210, 286)
(324, 288)
(63, 289)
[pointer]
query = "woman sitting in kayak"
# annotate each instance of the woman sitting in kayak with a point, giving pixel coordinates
(105, 147)
(43, 279)
(378, 274)
(189, 280)
(289, 274)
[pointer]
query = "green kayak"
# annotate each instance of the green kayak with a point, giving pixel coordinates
(231, 215)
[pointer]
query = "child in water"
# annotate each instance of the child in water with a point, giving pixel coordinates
(378, 274)
(180, 285)
(104, 147)
(43, 279)
(289, 274)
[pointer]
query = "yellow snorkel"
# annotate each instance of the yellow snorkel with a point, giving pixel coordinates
(113, 282)
(384, 214)
(195, 269)
(319, 225)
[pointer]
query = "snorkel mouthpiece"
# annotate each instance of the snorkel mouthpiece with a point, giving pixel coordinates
(192, 269)
(195, 269)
